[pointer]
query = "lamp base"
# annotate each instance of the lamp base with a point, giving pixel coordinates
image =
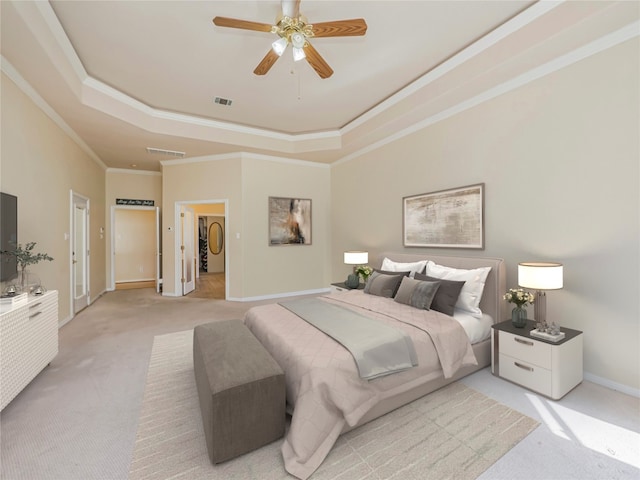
(540, 307)
(352, 281)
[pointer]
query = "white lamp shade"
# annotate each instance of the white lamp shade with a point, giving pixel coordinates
(540, 275)
(356, 258)
(279, 46)
(298, 54)
(298, 40)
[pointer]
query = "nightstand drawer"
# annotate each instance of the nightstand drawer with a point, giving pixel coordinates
(526, 350)
(528, 375)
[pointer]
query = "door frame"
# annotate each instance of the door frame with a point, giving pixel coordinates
(177, 236)
(188, 252)
(112, 253)
(73, 198)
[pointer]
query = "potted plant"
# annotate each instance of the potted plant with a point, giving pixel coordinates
(25, 257)
(521, 298)
(364, 271)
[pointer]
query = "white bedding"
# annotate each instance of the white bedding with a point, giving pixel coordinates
(478, 329)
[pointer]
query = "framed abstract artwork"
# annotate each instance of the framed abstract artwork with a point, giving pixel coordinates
(289, 221)
(449, 218)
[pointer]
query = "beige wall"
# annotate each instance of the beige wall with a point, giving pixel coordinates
(270, 270)
(215, 262)
(137, 185)
(135, 245)
(193, 182)
(41, 164)
(559, 158)
(208, 209)
(255, 269)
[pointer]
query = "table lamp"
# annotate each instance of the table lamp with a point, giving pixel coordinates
(354, 258)
(540, 276)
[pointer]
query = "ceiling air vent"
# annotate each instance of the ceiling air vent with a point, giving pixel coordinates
(222, 101)
(162, 151)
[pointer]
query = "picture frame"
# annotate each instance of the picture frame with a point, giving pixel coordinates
(452, 218)
(289, 221)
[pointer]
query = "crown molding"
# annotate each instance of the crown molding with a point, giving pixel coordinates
(490, 39)
(603, 43)
(244, 156)
(48, 31)
(28, 90)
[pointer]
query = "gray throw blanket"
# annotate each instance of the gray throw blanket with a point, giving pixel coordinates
(377, 348)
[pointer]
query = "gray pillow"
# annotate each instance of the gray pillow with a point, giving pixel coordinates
(383, 285)
(417, 293)
(446, 296)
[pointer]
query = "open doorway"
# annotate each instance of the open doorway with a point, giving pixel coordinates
(202, 249)
(135, 248)
(211, 257)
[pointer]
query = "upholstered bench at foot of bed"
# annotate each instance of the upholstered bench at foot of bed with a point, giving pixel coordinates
(240, 387)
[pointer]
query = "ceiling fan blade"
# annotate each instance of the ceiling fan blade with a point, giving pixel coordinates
(340, 28)
(321, 67)
(291, 8)
(267, 62)
(243, 24)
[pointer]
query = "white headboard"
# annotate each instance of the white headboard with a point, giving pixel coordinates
(492, 302)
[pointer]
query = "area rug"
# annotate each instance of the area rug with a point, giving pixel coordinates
(454, 433)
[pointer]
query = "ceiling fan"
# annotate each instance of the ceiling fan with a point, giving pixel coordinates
(293, 28)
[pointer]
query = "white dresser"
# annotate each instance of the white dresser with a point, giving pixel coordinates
(552, 369)
(28, 342)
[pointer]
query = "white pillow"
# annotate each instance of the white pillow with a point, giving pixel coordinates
(413, 267)
(471, 293)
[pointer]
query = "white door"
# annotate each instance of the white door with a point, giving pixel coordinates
(187, 248)
(80, 252)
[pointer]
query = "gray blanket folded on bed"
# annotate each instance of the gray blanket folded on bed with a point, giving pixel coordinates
(377, 348)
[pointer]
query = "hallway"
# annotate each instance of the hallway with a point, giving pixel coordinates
(209, 285)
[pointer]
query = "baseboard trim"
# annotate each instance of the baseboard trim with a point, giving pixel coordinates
(619, 387)
(64, 322)
(135, 284)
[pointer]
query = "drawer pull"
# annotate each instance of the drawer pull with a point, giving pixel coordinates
(34, 315)
(524, 342)
(524, 367)
(35, 305)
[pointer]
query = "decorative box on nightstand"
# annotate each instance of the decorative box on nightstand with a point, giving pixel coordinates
(549, 368)
(341, 287)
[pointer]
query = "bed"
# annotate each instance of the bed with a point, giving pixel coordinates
(326, 395)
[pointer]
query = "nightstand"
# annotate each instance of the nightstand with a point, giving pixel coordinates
(341, 287)
(549, 368)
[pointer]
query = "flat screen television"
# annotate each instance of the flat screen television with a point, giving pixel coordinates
(8, 234)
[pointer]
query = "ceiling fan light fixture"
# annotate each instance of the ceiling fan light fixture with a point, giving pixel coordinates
(298, 54)
(279, 46)
(297, 39)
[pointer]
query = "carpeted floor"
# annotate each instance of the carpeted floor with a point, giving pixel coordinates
(455, 433)
(77, 419)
